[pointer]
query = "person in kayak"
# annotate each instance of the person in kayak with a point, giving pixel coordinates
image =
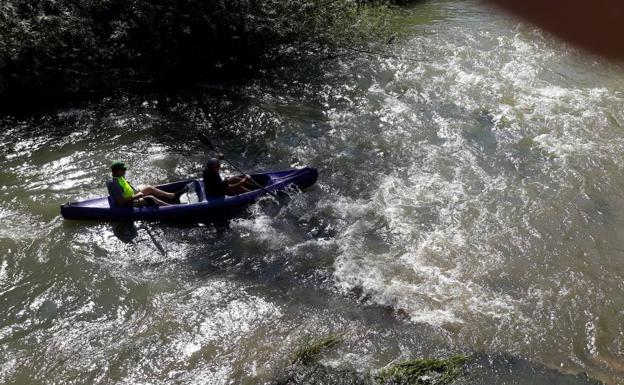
(124, 194)
(215, 186)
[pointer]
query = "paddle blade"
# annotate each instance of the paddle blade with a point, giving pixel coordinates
(204, 139)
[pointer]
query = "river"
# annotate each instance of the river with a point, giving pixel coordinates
(470, 199)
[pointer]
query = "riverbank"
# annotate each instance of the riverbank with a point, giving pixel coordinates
(51, 50)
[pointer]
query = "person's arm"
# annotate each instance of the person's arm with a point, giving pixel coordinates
(241, 182)
(137, 194)
(122, 201)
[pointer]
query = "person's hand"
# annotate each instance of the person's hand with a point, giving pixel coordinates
(220, 156)
(247, 178)
(139, 195)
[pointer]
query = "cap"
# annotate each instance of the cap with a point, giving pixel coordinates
(118, 165)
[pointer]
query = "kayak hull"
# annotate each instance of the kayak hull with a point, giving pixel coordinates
(101, 209)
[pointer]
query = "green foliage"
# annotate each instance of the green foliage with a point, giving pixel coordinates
(430, 371)
(310, 349)
(322, 21)
(68, 46)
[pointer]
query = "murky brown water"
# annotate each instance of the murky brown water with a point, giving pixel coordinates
(470, 199)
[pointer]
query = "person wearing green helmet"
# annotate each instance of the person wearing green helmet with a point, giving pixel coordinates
(124, 194)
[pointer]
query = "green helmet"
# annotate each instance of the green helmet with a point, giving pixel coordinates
(117, 165)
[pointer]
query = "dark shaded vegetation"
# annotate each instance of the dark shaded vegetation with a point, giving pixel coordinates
(310, 349)
(423, 371)
(50, 48)
(475, 369)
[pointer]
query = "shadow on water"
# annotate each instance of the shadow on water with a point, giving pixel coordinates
(125, 231)
(209, 246)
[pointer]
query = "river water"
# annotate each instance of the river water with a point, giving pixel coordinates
(470, 199)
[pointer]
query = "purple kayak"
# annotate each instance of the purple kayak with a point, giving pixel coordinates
(199, 206)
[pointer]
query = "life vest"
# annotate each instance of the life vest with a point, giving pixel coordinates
(126, 190)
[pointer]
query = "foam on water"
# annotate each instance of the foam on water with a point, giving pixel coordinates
(444, 236)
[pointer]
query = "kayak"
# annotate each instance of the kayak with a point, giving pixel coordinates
(198, 206)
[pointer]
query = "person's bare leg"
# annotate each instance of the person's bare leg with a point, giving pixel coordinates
(156, 200)
(237, 190)
(150, 190)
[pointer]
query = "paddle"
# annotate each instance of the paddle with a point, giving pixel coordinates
(145, 227)
(154, 240)
(206, 141)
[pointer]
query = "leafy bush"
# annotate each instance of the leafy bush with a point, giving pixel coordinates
(66, 46)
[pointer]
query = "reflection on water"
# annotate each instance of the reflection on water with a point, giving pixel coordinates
(470, 199)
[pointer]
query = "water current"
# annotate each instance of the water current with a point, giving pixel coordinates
(470, 199)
